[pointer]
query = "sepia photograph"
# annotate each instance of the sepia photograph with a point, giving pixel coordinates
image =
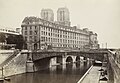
(59, 41)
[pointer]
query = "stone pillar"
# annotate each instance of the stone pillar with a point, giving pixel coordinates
(64, 59)
(74, 58)
(29, 63)
(53, 61)
(59, 59)
(64, 62)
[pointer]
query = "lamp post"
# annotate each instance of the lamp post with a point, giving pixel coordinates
(106, 45)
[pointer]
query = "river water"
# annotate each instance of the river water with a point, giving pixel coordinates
(68, 73)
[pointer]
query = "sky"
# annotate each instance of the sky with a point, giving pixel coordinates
(100, 16)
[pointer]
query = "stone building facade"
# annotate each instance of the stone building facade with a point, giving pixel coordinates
(41, 33)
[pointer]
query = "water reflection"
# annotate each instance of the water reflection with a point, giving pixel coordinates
(77, 64)
(69, 73)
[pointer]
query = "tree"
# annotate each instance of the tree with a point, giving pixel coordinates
(19, 42)
(16, 39)
(2, 38)
(11, 39)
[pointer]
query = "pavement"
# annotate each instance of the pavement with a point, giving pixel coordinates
(92, 76)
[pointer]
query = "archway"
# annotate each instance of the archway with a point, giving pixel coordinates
(69, 64)
(77, 58)
(69, 59)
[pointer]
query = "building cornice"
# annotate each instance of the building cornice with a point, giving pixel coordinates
(35, 21)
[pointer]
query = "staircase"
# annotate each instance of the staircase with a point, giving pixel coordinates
(7, 60)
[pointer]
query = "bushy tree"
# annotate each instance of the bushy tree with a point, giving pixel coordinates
(2, 38)
(11, 39)
(19, 41)
(16, 39)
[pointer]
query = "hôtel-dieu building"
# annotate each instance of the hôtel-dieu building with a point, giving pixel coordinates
(43, 32)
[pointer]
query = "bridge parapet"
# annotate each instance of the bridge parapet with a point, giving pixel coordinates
(98, 55)
(41, 55)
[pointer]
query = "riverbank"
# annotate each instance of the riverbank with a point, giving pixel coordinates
(92, 76)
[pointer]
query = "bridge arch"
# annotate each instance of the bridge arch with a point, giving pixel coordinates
(69, 59)
(77, 58)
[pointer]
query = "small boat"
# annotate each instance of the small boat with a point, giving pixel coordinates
(7, 79)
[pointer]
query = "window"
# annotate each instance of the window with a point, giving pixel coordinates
(30, 32)
(35, 38)
(25, 28)
(30, 38)
(25, 38)
(25, 32)
(61, 40)
(42, 38)
(49, 29)
(35, 32)
(49, 39)
(46, 39)
(49, 34)
(42, 32)
(68, 41)
(35, 27)
(30, 27)
(60, 36)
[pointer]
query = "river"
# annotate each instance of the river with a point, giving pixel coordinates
(67, 73)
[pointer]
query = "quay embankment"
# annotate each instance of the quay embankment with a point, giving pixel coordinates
(13, 62)
(93, 75)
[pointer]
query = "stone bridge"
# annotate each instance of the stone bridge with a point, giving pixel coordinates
(93, 54)
(38, 60)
